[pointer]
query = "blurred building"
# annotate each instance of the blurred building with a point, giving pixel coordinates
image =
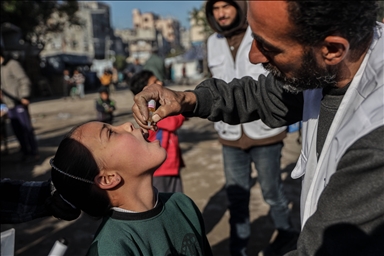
(150, 31)
(79, 46)
(93, 38)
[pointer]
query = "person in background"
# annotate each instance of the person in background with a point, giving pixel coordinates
(167, 177)
(109, 176)
(79, 79)
(326, 69)
(115, 78)
(184, 76)
(3, 125)
(105, 106)
(67, 83)
(247, 143)
(132, 69)
(106, 79)
(155, 63)
(170, 73)
(16, 93)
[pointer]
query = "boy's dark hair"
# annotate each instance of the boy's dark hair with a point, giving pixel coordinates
(139, 81)
(103, 89)
(75, 159)
(315, 20)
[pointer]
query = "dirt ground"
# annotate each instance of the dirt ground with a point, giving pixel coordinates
(202, 177)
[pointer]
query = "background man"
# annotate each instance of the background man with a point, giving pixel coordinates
(334, 64)
(243, 144)
(155, 63)
(16, 91)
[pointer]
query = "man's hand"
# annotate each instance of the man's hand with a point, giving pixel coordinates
(169, 103)
(24, 101)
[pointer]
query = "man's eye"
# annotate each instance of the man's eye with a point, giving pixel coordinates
(265, 49)
(110, 132)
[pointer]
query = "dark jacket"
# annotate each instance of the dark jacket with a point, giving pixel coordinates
(105, 110)
(358, 171)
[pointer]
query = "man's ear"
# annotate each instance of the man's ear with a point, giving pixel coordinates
(107, 180)
(334, 49)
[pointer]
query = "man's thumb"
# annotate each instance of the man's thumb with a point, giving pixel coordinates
(156, 118)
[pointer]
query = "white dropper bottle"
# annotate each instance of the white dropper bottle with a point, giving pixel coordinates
(151, 108)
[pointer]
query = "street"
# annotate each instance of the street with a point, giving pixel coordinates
(203, 177)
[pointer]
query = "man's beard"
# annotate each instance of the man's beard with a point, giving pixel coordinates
(309, 76)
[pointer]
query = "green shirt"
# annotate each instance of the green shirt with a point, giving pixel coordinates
(174, 227)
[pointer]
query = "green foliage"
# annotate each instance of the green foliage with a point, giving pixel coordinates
(177, 51)
(380, 13)
(33, 16)
(198, 15)
(120, 62)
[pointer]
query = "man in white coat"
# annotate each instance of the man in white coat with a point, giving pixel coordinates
(330, 55)
(247, 143)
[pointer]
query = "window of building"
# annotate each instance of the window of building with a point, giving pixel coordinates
(74, 44)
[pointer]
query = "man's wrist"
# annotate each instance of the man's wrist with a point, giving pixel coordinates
(189, 101)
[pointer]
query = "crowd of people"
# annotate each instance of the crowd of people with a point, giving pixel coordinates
(273, 64)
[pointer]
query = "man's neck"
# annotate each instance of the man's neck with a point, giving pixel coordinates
(348, 70)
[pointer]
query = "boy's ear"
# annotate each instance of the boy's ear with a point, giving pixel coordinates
(334, 49)
(107, 180)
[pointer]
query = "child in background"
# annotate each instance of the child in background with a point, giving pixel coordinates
(105, 106)
(167, 176)
(78, 79)
(106, 171)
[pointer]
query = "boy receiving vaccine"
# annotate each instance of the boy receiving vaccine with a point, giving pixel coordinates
(107, 171)
(167, 177)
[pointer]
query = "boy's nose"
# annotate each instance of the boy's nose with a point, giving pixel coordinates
(128, 126)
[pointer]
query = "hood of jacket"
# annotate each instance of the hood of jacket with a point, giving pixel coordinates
(239, 25)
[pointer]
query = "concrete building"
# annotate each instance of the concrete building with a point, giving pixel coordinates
(140, 42)
(150, 31)
(80, 45)
(75, 39)
(93, 38)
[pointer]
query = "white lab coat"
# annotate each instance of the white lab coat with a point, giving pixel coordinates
(222, 66)
(360, 112)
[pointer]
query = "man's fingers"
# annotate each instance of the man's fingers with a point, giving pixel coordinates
(140, 111)
(142, 124)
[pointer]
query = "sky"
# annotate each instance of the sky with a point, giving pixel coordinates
(121, 11)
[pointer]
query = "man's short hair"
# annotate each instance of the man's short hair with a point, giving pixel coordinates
(315, 20)
(139, 81)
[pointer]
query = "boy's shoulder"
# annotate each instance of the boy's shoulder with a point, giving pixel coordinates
(175, 198)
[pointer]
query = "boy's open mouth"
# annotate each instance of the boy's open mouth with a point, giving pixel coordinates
(145, 136)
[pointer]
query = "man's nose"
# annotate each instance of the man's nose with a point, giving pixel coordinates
(255, 55)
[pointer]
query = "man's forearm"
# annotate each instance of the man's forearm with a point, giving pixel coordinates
(244, 100)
